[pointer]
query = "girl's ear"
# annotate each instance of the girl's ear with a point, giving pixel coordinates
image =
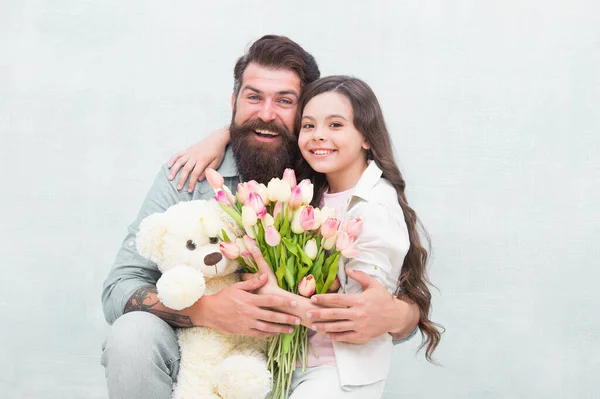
(365, 145)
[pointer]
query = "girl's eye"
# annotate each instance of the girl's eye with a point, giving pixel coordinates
(335, 124)
(307, 126)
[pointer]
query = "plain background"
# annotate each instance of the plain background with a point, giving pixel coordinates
(494, 111)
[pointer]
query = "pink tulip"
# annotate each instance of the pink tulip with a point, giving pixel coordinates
(296, 198)
(346, 245)
(257, 204)
(277, 209)
(354, 227)
(307, 218)
(243, 191)
(250, 243)
(330, 227)
(214, 178)
(222, 198)
(272, 236)
(290, 176)
(230, 250)
(307, 286)
(248, 259)
(252, 186)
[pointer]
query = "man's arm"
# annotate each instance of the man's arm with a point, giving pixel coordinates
(194, 160)
(131, 284)
(234, 310)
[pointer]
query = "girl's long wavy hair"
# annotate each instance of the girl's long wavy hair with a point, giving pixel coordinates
(368, 119)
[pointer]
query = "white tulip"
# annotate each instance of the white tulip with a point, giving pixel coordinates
(311, 248)
(249, 217)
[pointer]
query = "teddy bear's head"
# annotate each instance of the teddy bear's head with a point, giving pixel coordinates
(188, 234)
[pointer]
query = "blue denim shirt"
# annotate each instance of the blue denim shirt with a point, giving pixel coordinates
(130, 270)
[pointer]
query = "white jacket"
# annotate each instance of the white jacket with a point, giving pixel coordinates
(382, 245)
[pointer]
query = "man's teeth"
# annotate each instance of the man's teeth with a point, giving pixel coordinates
(270, 133)
(322, 152)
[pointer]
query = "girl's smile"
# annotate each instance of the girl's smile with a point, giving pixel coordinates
(330, 142)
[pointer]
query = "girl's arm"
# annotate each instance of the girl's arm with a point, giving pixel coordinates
(194, 160)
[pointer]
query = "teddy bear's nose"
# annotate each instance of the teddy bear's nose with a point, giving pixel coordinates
(212, 259)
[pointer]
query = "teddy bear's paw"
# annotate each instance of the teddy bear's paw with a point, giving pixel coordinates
(180, 287)
(243, 377)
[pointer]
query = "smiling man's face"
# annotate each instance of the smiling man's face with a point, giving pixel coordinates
(264, 111)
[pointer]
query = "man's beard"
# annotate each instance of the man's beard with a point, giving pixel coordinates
(262, 161)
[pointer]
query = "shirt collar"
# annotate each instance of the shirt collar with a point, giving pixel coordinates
(228, 167)
(367, 181)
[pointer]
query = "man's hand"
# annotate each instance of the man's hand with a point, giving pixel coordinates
(356, 318)
(208, 153)
(237, 310)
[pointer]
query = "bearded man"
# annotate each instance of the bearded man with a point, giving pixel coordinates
(141, 354)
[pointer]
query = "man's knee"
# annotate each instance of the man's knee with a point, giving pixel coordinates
(140, 337)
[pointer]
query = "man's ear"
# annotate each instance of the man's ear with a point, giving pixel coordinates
(149, 239)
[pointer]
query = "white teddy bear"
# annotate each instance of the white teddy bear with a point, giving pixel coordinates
(184, 243)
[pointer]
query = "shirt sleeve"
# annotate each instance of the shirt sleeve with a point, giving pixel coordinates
(130, 270)
(382, 245)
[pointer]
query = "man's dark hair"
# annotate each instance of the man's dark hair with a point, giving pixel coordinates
(277, 52)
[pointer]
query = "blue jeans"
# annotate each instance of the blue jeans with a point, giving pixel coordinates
(140, 357)
(141, 360)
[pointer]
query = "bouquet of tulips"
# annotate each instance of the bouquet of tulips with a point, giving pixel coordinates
(302, 244)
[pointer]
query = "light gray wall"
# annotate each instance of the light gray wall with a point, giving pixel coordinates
(493, 108)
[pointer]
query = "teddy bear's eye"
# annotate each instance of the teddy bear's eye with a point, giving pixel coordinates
(190, 245)
(213, 240)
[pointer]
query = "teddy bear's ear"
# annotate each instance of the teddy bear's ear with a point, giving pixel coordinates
(149, 239)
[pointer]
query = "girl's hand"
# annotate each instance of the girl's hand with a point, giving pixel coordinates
(356, 318)
(208, 153)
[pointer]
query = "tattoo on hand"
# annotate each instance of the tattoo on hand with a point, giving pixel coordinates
(145, 298)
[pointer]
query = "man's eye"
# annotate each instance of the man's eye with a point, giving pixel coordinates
(213, 240)
(253, 97)
(286, 101)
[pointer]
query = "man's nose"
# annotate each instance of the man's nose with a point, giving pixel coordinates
(267, 113)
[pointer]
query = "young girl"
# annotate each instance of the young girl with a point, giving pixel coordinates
(347, 153)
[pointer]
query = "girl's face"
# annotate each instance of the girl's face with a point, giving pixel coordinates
(328, 139)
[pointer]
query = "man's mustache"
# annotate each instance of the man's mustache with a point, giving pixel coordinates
(258, 124)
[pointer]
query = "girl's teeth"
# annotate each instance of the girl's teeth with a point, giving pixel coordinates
(322, 152)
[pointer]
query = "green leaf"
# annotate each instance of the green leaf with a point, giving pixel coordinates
(331, 276)
(287, 341)
(290, 245)
(277, 221)
(289, 276)
(279, 273)
(234, 215)
(304, 257)
(225, 236)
